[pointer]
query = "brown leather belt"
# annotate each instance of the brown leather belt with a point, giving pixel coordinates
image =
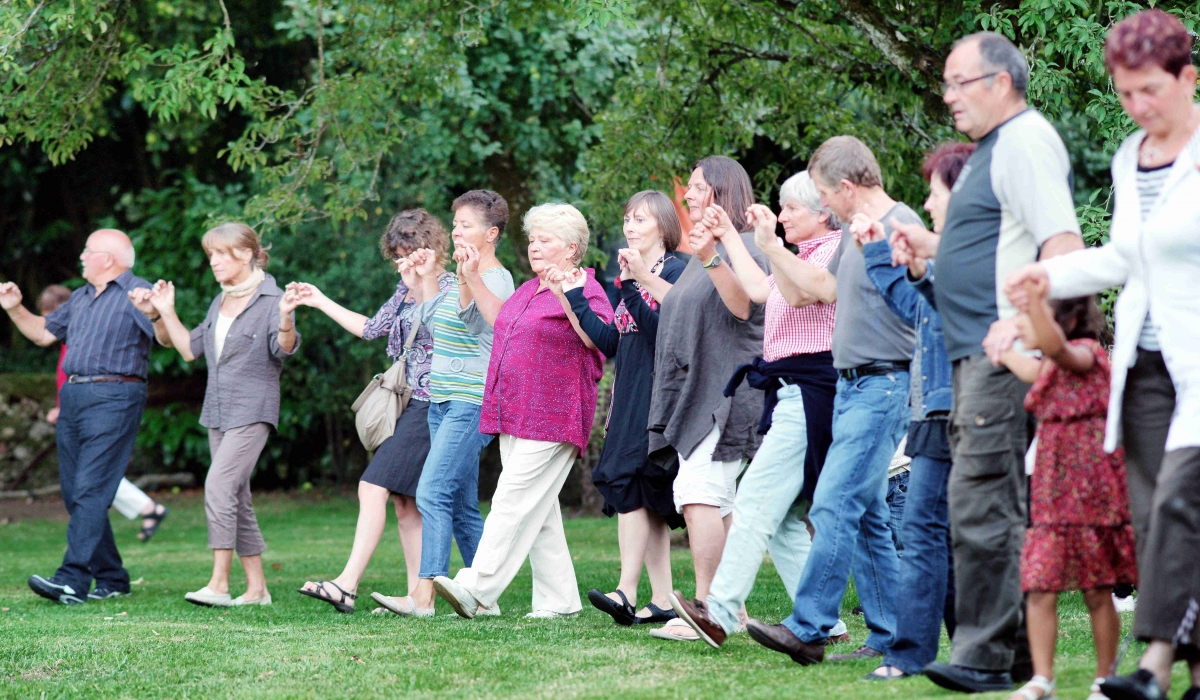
(102, 379)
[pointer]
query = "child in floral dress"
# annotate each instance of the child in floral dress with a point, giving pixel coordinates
(1081, 538)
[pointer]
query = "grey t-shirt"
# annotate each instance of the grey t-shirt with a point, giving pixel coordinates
(499, 281)
(865, 329)
(699, 346)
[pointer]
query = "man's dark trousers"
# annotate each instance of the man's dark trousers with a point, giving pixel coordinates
(96, 432)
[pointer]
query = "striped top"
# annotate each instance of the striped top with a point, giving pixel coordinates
(460, 356)
(106, 333)
(1150, 182)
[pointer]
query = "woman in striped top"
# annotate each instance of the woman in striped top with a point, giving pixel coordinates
(461, 320)
(415, 242)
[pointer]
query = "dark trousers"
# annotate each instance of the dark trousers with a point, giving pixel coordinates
(926, 594)
(1146, 409)
(96, 431)
(989, 434)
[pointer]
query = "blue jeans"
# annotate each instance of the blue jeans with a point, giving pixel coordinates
(926, 577)
(448, 492)
(96, 432)
(765, 515)
(896, 496)
(850, 513)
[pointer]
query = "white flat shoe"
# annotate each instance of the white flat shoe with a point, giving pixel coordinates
(493, 611)
(689, 634)
(550, 615)
(404, 607)
(241, 600)
(209, 598)
(457, 596)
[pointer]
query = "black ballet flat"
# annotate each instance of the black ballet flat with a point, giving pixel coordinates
(656, 616)
(622, 613)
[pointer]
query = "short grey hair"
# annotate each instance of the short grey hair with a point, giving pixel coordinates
(800, 189)
(564, 221)
(998, 54)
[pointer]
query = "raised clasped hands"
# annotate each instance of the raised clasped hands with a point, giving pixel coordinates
(703, 244)
(467, 259)
(763, 220)
(866, 230)
(304, 294)
(142, 300)
(632, 265)
(717, 221)
(912, 243)
(560, 281)
(424, 261)
(10, 295)
(291, 299)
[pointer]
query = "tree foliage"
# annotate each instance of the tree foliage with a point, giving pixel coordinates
(316, 120)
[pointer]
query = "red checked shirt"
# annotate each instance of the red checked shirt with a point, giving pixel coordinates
(791, 331)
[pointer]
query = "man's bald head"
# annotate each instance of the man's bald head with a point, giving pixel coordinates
(110, 240)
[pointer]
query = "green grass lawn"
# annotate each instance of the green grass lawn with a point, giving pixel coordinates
(154, 644)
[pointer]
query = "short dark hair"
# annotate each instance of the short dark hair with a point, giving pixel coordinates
(730, 187)
(1149, 38)
(1079, 317)
(490, 205)
(845, 158)
(412, 229)
(665, 216)
(52, 297)
(947, 161)
(997, 53)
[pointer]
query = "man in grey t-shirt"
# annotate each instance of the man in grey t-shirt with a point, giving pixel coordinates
(1011, 205)
(871, 351)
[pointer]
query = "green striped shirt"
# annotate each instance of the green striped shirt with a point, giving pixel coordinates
(452, 340)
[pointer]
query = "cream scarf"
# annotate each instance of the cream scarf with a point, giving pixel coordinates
(246, 288)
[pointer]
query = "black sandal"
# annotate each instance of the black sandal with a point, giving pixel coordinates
(656, 616)
(622, 613)
(320, 594)
(156, 520)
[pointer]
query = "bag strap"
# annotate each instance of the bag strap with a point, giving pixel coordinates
(412, 337)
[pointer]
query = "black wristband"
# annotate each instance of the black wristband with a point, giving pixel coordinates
(156, 319)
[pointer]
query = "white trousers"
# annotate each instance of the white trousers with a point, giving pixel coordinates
(130, 500)
(526, 521)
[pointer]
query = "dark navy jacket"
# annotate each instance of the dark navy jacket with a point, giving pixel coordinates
(930, 366)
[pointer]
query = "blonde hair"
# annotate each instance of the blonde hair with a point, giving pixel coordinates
(562, 220)
(235, 235)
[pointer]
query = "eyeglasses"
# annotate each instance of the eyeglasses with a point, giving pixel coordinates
(956, 87)
(89, 251)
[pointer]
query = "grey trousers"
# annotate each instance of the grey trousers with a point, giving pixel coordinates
(988, 436)
(1146, 410)
(231, 521)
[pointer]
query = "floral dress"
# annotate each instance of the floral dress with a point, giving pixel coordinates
(1081, 537)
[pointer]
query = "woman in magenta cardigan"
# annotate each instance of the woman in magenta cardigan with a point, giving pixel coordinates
(540, 398)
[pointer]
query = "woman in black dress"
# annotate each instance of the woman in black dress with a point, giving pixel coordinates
(633, 489)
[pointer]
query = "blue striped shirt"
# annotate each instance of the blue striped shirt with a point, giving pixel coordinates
(104, 334)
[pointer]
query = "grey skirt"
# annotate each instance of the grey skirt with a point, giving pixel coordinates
(398, 461)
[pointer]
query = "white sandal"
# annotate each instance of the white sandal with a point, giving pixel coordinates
(662, 633)
(1038, 688)
(1096, 693)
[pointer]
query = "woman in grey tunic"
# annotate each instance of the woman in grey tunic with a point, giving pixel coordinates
(248, 332)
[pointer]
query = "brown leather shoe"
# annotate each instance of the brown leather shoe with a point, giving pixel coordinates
(695, 613)
(779, 638)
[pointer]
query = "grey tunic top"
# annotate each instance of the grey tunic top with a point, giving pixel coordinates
(243, 387)
(700, 344)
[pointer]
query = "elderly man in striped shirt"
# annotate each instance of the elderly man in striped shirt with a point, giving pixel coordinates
(107, 361)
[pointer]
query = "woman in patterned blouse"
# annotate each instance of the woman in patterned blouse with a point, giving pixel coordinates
(416, 244)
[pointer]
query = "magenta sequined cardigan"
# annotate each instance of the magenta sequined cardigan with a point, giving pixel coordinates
(542, 381)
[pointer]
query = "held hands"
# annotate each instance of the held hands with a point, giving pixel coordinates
(912, 242)
(291, 299)
(716, 220)
(10, 296)
(763, 220)
(632, 265)
(162, 297)
(467, 258)
(865, 230)
(305, 294)
(703, 244)
(142, 300)
(424, 261)
(561, 281)
(1000, 339)
(1028, 285)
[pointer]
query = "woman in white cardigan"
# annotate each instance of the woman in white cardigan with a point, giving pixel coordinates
(1154, 405)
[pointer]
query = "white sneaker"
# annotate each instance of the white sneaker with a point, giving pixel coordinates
(457, 596)
(209, 598)
(1128, 604)
(549, 615)
(493, 611)
(241, 600)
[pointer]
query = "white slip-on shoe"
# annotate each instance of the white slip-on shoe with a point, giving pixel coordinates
(457, 596)
(493, 611)
(688, 634)
(241, 600)
(550, 615)
(404, 607)
(209, 598)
